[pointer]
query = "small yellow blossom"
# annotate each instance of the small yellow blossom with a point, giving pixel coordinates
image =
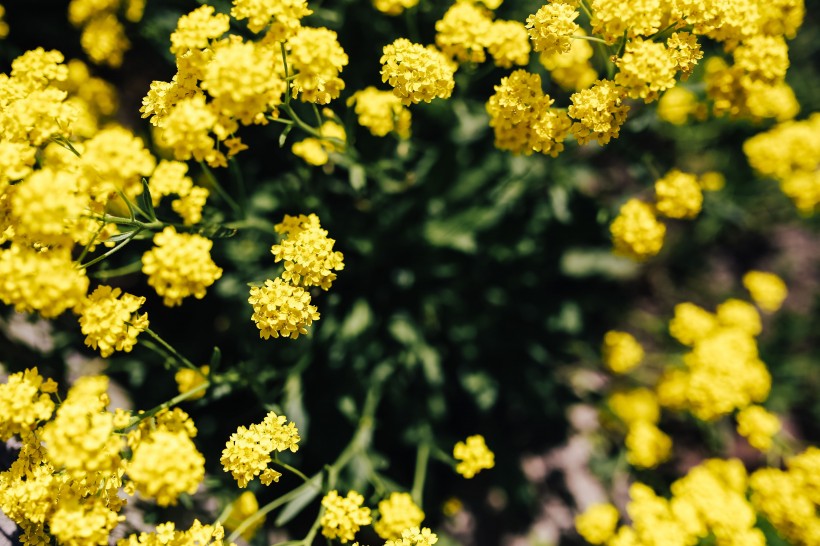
(165, 464)
(691, 323)
(678, 195)
(248, 450)
(734, 313)
(397, 513)
(415, 537)
(381, 112)
(571, 69)
(343, 516)
(318, 59)
(711, 181)
(416, 73)
(767, 289)
(676, 105)
(758, 426)
(282, 18)
(166, 534)
(474, 455)
(180, 266)
(635, 405)
(647, 445)
(243, 507)
(196, 29)
(109, 320)
(24, 401)
(621, 351)
(636, 18)
(509, 44)
(188, 379)
(281, 309)
(307, 252)
(645, 69)
(463, 31)
(597, 523)
(598, 112)
(636, 231)
(551, 28)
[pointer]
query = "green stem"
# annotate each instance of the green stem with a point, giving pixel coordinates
(273, 505)
(589, 38)
(170, 350)
(165, 405)
(290, 468)
(287, 75)
(65, 143)
(119, 271)
(112, 251)
(219, 189)
(87, 247)
(586, 9)
(422, 457)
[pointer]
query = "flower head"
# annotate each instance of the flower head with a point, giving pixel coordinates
(474, 455)
(397, 513)
(343, 516)
(416, 73)
(636, 232)
(109, 320)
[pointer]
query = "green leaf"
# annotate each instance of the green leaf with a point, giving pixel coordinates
(284, 136)
(147, 202)
(294, 507)
(357, 320)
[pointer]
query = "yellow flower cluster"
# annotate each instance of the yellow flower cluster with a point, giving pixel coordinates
(598, 112)
(4, 27)
(758, 426)
(474, 455)
(180, 266)
(646, 69)
(639, 18)
(414, 537)
(551, 28)
(242, 508)
(767, 289)
(598, 523)
(93, 99)
(381, 112)
(723, 371)
(790, 153)
(103, 35)
(169, 178)
(621, 351)
(790, 498)
(343, 516)
(25, 400)
(167, 535)
(247, 452)
(417, 73)
(109, 320)
(224, 80)
(572, 69)
(396, 514)
(315, 151)
(522, 118)
(188, 379)
(647, 446)
(461, 33)
(282, 306)
(636, 231)
(165, 462)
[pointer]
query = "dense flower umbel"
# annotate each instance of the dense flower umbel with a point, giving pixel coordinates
(343, 516)
(417, 73)
(24, 401)
(397, 513)
(621, 351)
(463, 32)
(636, 232)
(109, 320)
(415, 537)
(598, 112)
(381, 112)
(474, 455)
(180, 266)
(317, 58)
(282, 18)
(767, 289)
(758, 426)
(307, 252)
(678, 195)
(597, 523)
(508, 42)
(281, 309)
(247, 453)
(551, 28)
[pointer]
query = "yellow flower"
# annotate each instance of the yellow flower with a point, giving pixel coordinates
(397, 513)
(463, 31)
(636, 18)
(711, 180)
(691, 323)
(597, 523)
(678, 195)
(636, 231)
(247, 452)
(281, 309)
(676, 105)
(621, 351)
(166, 534)
(188, 379)
(739, 314)
(571, 69)
(508, 42)
(636, 405)
(394, 7)
(243, 507)
(283, 16)
(647, 446)
(196, 29)
(414, 537)
(318, 58)
(416, 73)
(343, 516)
(381, 112)
(180, 266)
(474, 455)
(645, 69)
(551, 28)
(758, 426)
(767, 289)
(307, 252)
(598, 111)
(109, 320)
(24, 401)
(165, 464)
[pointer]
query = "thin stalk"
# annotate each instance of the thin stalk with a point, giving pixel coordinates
(165, 405)
(287, 75)
(422, 458)
(589, 38)
(87, 248)
(290, 468)
(252, 223)
(220, 190)
(170, 350)
(112, 251)
(119, 271)
(586, 9)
